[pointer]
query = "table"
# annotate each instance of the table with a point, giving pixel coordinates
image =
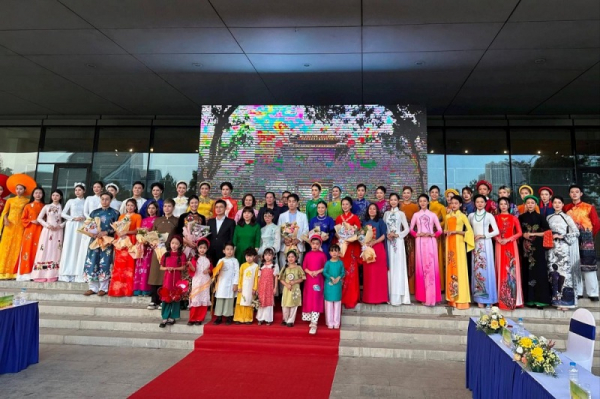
(19, 337)
(492, 372)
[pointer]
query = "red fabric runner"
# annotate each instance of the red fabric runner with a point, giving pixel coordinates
(253, 361)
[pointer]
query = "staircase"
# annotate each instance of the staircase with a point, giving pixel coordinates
(440, 333)
(405, 332)
(69, 317)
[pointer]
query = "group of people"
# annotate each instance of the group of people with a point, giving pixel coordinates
(471, 247)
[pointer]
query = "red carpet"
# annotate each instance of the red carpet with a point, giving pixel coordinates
(253, 361)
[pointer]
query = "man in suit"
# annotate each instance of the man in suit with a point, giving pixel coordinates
(293, 215)
(221, 232)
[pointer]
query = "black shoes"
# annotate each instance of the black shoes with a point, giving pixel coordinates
(218, 320)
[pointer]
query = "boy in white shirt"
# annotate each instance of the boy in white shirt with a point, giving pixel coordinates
(227, 273)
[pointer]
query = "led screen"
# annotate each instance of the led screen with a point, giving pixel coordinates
(288, 147)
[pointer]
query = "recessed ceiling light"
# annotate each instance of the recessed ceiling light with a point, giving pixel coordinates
(466, 151)
(432, 151)
(539, 152)
(540, 61)
(131, 150)
(197, 65)
(556, 153)
(506, 152)
(90, 65)
(419, 63)
(151, 149)
(306, 65)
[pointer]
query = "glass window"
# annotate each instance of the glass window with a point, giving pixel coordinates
(122, 157)
(19, 149)
(68, 145)
(174, 157)
(475, 154)
(542, 157)
(44, 175)
(588, 166)
(435, 159)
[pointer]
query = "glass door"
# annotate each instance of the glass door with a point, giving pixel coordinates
(66, 175)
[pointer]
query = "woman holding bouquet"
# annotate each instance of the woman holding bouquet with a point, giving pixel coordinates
(142, 265)
(192, 216)
(397, 229)
(246, 234)
(375, 274)
(351, 285)
(73, 256)
(121, 283)
(325, 225)
(427, 268)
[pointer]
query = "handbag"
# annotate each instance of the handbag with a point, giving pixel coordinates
(548, 240)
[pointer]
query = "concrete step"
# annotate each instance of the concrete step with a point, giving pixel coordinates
(547, 328)
(405, 335)
(57, 285)
(130, 311)
(361, 348)
(136, 339)
(474, 311)
(145, 324)
(73, 296)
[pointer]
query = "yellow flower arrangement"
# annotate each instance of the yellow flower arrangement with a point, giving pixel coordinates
(491, 323)
(494, 324)
(502, 322)
(536, 354)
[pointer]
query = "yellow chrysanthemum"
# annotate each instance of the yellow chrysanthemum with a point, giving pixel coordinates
(502, 322)
(494, 324)
(537, 352)
(526, 342)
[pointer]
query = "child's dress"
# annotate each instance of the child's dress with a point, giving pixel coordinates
(170, 308)
(291, 299)
(247, 285)
(333, 292)
(312, 303)
(266, 282)
(47, 258)
(200, 294)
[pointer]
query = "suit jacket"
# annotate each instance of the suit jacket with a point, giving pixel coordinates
(302, 223)
(218, 240)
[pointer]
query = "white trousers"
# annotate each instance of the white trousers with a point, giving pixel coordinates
(99, 286)
(590, 280)
(265, 314)
(333, 311)
(289, 314)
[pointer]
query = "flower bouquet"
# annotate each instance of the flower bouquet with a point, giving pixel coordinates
(90, 227)
(121, 228)
(193, 232)
(289, 231)
(492, 323)
(365, 236)
(346, 234)
(137, 250)
(536, 354)
(317, 231)
(170, 295)
(158, 242)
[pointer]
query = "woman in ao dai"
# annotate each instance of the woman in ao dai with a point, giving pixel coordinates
(427, 268)
(270, 234)
(563, 257)
(483, 278)
(47, 258)
(72, 257)
(397, 229)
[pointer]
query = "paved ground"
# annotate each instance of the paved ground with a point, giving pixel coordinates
(71, 371)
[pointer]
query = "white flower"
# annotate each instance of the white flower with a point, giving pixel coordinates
(495, 309)
(543, 340)
(519, 350)
(494, 317)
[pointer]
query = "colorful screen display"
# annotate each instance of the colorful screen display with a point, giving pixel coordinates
(262, 148)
